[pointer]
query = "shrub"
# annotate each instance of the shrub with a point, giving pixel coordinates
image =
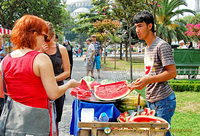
(181, 87)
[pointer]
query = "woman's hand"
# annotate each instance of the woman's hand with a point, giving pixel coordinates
(44, 48)
(73, 83)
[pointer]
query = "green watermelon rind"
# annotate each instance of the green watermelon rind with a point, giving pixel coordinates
(152, 117)
(112, 98)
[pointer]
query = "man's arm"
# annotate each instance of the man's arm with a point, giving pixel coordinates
(93, 52)
(170, 73)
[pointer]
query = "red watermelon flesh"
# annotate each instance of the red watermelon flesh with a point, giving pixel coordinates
(148, 112)
(93, 84)
(111, 91)
(149, 119)
(84, 85)
(82, 92)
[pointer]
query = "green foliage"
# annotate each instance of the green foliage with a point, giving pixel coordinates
(50, 10)
(100, 11)
(168, 29)
(185, 85)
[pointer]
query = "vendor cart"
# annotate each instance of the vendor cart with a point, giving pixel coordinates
(138, 129)
(187, 62)
(95, 128)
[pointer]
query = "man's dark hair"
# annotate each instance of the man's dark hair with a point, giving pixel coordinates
(144, 16)
(56, 36)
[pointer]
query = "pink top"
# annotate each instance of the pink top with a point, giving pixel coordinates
(21, 82)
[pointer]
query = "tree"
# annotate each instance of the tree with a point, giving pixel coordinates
(166, 28)
(192, 19)
(50, 10)
(124, 10)
(193, 31)
(107, 29)
(100, 11)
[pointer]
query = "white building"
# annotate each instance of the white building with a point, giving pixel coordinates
(78, 6)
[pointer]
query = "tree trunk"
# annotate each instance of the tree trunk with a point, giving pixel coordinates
(104, 53)
(120, 50)
(131, 71)
(126, 51)
(115, 57)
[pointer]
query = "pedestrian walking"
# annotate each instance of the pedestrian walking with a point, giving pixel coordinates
(90, 57)
(98, 51)
(29, 81)
(69, 48)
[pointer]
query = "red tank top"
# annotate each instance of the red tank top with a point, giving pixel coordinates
(21, 82)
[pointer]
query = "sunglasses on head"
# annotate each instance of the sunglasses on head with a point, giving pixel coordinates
(46, 38)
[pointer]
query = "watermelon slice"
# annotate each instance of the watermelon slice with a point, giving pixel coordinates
(148, 112)
(84, 85)
(93, 84)
(149, 119)
(111, 91)
(82, 92)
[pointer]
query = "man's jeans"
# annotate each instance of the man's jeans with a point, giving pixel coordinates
(164, 108)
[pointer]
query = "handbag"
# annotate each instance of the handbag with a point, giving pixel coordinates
(18, 119)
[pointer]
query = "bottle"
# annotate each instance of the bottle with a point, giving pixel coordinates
(103, 117)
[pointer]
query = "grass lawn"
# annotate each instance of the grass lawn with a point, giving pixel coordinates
(185, 121)
(120, 64)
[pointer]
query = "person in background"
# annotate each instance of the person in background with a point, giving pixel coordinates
(98, 53)
(159, 68)
(60, 60)
(81, 51)
(90, 57)
(190, 45)
(2, 48)
(76, 50)
(182, 45)
(28, 73)
(69, 48)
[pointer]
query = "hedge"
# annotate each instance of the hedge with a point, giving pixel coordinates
(181, 87)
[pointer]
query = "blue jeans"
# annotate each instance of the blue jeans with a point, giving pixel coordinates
(164, 108)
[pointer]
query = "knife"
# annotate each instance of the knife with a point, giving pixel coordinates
(138, 106)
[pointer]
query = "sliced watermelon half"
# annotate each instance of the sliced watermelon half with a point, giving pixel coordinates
(84, 85)
(111, 91)
(149, 119)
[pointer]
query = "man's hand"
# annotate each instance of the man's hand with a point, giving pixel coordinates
(140, 83)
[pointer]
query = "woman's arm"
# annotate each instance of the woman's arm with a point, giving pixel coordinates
(66, 64)
(43, 68)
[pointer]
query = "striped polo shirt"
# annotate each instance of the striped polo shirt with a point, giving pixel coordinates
(157, 56)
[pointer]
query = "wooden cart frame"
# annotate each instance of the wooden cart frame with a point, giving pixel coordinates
(149, 129)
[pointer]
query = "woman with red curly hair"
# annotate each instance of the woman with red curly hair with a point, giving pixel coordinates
(28, 74)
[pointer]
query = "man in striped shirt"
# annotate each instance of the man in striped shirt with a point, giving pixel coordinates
(159, 68)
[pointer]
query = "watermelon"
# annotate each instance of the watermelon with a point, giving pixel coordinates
(106, 81)
(149, 119)
(84, 85)
(93, 84)
(88, 79)
(148, 112)
(111, 91)
(81, 92)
